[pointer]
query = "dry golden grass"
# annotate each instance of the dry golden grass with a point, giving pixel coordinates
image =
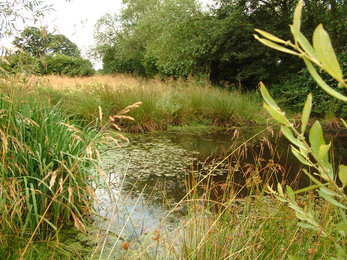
(113, 81)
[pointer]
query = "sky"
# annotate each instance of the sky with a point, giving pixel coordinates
(76, 19)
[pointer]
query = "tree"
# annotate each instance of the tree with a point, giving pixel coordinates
(13, 12)
(37, 42)
(178, 38)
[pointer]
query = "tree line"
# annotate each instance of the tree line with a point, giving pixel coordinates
(41, 52)
(179, 38)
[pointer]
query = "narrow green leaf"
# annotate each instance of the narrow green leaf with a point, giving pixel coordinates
(331, 200)
(291, 193)
(290, 136)
(312, 178)
(325, 53)
(321, 82)
(297, 21)
(279, 189)
(306, 113)
(301, 158)
(307, 47)
(323, 152)
(316, 138)
(306, 189)
(291, 257)
(277, 115)
(329, 192)
(275, 46)
(269, 36)
(267, 97)
(343, 175)
(341, 226)
(306, 225)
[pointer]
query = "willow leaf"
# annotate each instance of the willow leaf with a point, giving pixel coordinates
(307, 47)
(331, 200)
(343, 175)
(275, 46)
(270, 36)
(325, 53)
(321, 82)
(297, 21)
(290, 136)
(267, 97)
(277, 115)
(300, 157)
(316, 138)
(306, 113)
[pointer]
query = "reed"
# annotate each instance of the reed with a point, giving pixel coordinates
(164, 103)
(45, 179)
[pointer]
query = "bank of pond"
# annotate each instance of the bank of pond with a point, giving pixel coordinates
(123, 168)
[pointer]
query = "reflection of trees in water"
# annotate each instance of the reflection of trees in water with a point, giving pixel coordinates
(158, 164)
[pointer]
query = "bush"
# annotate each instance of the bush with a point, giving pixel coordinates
(292, 91)
(68, 65)
(22, 62)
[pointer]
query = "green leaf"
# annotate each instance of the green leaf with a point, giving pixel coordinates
(341, 226)
(321, 82)
(306, 113)
(323, 152)
(300, 157)
(270, 36)
(307, 47)
(325, 53)
(275, 46)
(306, 189)
(277, 115)
(297, 21)
(289, 135)
(267, 97)
(291, 193)
(312, 178)
(316, 138)
(343, 175)
(331, 200)
(306, 225)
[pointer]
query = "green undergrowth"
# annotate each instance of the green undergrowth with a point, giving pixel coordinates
(45, 179)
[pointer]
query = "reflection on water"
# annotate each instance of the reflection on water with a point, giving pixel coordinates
(158, 163)
(151, 172)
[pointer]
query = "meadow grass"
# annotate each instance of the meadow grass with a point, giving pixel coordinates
(164, 102)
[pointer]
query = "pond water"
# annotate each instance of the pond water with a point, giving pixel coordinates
(151, 173)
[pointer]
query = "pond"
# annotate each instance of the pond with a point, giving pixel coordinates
(153, 172)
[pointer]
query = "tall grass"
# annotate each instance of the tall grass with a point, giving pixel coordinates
(164, 103)
(45, 177)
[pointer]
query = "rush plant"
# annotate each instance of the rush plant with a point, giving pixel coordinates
(46, 176)
(312, 150)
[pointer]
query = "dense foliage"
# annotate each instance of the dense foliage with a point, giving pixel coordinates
(180, 38)
(41, 52)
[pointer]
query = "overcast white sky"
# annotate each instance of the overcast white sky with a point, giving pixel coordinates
(68, 17)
